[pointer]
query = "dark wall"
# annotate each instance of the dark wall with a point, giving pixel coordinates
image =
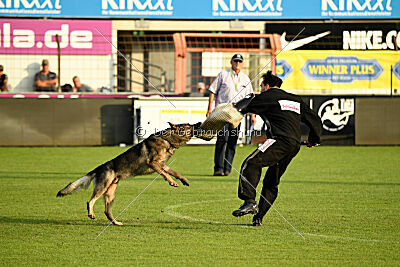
(92, 122)
(65, 122)
(377, 121)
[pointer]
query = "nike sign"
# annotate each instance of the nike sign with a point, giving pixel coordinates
(286, 46)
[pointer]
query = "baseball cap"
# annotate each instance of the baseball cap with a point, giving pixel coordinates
(45, 62)
(201, 85)
(237, 57)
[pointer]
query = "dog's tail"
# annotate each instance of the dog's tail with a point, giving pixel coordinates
(82, 182)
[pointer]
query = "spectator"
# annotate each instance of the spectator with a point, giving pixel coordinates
(67, 88)
(230, 86)
(45, 80)
(81, 87)
(3, 80)
(201, 89)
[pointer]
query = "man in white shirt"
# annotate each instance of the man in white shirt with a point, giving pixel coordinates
(230, 86)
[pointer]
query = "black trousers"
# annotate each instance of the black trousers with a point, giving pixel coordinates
(225, 147)
(277, 157)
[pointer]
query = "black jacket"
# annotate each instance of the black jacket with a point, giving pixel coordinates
(283, 112)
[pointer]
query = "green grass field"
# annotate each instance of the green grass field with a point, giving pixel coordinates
(344, 200)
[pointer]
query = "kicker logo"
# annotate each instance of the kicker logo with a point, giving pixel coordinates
(223, 8)
(359, 5)
(29, 4)
(13, 7)
(245, 5)
(140, 5)
(356, 7)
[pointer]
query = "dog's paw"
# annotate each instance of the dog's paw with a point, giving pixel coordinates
(117, 223)
(174, 184)
(91, 216)
(185, 181)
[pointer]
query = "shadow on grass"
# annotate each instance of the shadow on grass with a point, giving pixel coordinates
(173, 225)
(340, 183)
(179, 225)
(75, 175)
(32, 174)
(15, 220)
(234, 178)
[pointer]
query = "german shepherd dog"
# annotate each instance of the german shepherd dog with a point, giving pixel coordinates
(150, 155)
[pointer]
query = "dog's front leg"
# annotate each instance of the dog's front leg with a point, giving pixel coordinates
(177, 175)
(156, 166)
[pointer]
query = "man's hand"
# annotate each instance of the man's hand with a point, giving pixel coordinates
(46, 83)
(309, 145)
(49, 83)
(210, 102)
(253, 119)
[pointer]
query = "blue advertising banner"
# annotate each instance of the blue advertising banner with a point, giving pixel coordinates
(283, 69)
(342, 69)
(205, 9)
(396, 70)
(338, 69)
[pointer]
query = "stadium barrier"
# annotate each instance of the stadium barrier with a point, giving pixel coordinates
(377, 121)
(112, 119)
(65, 121)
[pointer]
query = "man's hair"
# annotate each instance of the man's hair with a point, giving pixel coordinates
(66, 88)
(271, 80)
(73, 79)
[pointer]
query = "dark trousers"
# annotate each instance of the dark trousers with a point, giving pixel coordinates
(225, 148)
(277, 157)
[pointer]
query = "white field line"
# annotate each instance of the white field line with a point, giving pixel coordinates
(170, 210)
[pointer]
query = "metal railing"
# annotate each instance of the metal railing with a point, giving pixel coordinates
(159, 81)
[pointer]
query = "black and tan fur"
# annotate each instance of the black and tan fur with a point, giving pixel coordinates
(150, 155)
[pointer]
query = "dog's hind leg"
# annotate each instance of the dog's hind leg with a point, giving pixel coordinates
(101, 185)
(109, 200)
(158, 168)
(176, 175)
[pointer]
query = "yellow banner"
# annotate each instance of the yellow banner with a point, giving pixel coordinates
(331, 69)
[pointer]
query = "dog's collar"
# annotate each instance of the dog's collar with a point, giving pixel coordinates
(171, 144)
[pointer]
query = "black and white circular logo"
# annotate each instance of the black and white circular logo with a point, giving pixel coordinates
(335, 113)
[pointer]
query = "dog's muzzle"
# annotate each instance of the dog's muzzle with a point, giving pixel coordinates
(196, 126)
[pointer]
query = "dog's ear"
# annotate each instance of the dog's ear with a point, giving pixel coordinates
(173, 126)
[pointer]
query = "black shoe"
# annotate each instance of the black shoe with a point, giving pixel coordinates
(246, 208)
(218, 173)
(257, 221)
